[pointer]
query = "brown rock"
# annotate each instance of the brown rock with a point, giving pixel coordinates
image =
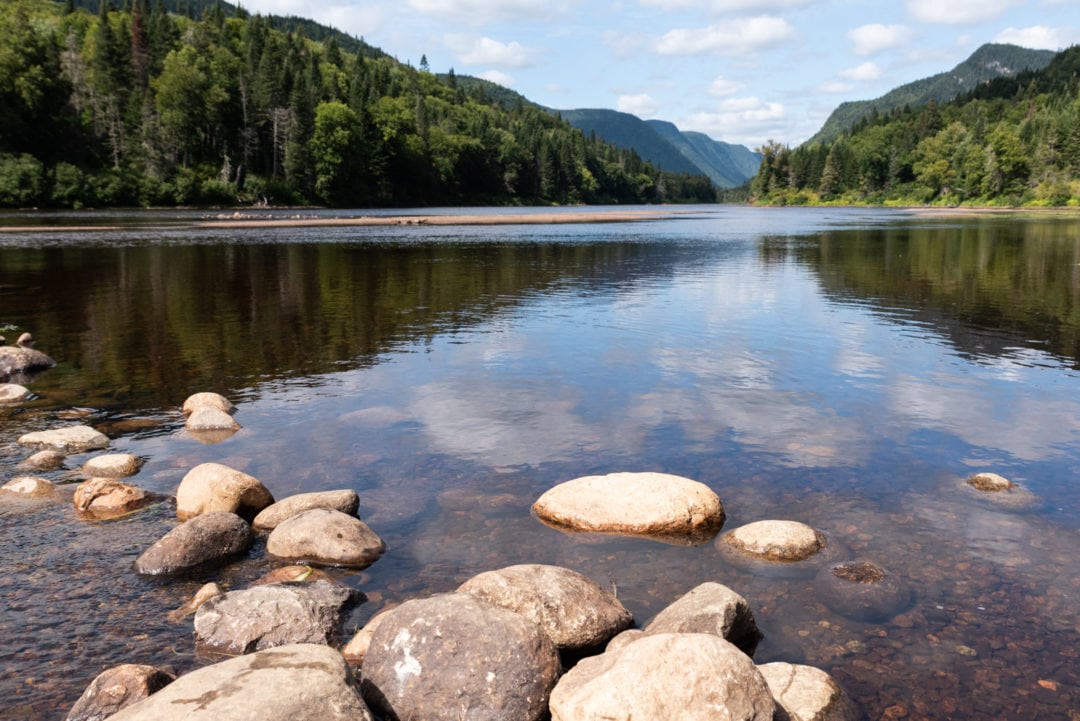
(204, 594)
(207, 400)
(117, 688)
(209, 538)
(357, 647)
(776, 540)
(685, 676)
(268, 519)
(47, 460)
(112, 465)
(624, 639)
(862, 590)
(72, 439)
(808, 693)
(326, 537)
(571, 608)
(29, 486)
(989, 482)
(293, 574)
(216, 487)
(710, 608)
(452, 656)
(105, 498)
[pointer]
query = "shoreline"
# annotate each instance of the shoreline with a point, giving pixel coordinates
(624, 216)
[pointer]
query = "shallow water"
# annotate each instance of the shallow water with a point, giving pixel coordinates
(845, 368)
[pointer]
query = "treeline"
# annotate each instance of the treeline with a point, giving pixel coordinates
(1012, 141)
(141, 106)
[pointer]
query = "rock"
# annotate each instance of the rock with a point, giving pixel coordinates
(205, 539)
(571, 608)
(685, 676)
(303, 682)
(21, 358)
(105, 498)
(117, 688)
(640, 504)
(989, 482)
(808, 693)
(268, 519)
(1000, 491)
(211, 419)
(257, 618)
(29, 486)
(357, 647)
(13, 393)
(710, 608)
(326, 537)
(776, 540)
(73, 439)
(215, 401)
(215, 487)
(204, 594)
(112, 465)
(862, 590)
(452, 656)
(47, 460)
(293, 574)
(623, 639)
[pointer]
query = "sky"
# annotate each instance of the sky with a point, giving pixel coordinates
(741, 71)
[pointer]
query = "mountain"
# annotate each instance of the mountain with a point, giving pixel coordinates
(988, 62)
(667, 147)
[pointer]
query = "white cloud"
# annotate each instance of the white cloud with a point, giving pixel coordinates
(483, 11)
(495, 76)
(641, 105)
(957, 12)
(871, 39)
(736, 37)
(748, 120)
(485, 51)
(722, 6)
(862, 73)
(722, 87)
(1039, 37)
(626, 45)
(835, 86)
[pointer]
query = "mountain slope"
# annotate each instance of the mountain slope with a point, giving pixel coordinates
(726, 164)
(988, 62)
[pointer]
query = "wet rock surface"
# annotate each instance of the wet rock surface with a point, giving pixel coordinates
(216, 487)
(688, 676)
(807, 693)
(29, 486)
(775, 540)
(346, 501)
(326, 537)
(862, 590)
(13, 393)
(112, 465)
(570, 607)
(204, 594)
(72, 439)
(210, 419)
(271, 615)
(105, 498)
(710, 608)
(46, 460)
(206, 539)
(215, 401)
(452, 656)
(303, 682)
(117, 688)
(292, 574)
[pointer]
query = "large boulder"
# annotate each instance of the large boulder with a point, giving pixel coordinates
(117, 688)
(104, 498)
(685, 676)
(776, 540)
(808, 693)
(344, 500)
(711, 608)
(206, 539)
(111, 465)
(216, 487)
(72, 439)
(29, 486)
(571, 608)
(13, 393)
(303, 682)
(19, 359)
(357, 647)
(326, 537)
(215, 401)
(454, 657)
(272, 615)
(659, 505)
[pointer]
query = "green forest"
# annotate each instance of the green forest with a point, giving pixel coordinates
(1012, 141)
(140, 106)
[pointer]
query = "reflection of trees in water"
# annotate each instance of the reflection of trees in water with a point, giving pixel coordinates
(990, 286)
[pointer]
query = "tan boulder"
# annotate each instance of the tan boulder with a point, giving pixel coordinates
(327, 537)
(29, 486)
(46, 460)
(112, 465)
(776, 540)
(711, 608)
(207, 400)
(216, 487)
(808, 693)
(268, 519)
(105, 498)
(117, 688)
(72, 439)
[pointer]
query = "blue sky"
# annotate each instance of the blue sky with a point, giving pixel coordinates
(742, 71)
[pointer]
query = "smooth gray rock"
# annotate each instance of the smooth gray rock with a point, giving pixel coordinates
(453, 657)
(808, 693)
(571, 608)
(29, 486)
(117, 688)
(209, 538)
(72, 439)
(326, 537)
(303, 682)
(685, 676)
(216, 487)
(112, 465)
(270, 517)
(710, 608)
(253, 619)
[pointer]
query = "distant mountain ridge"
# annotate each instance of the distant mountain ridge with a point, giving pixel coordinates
(990, 61)
(665, 146)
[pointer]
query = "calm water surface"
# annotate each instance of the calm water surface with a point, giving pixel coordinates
(845, 368)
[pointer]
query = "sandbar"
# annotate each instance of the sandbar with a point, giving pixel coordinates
(613, 216)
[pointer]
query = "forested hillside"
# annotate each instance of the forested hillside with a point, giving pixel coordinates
(1012, 141)
(141, 106)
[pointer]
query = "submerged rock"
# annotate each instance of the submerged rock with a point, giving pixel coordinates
(1000, 491)
(112, 465)
(117, 688)
(73, 439)
(862, 590)
(346, 501)
(326, 537)
(807, 693)
(293, 574)
(685, 676)
(571, 608)
(639, 504)
(303, 682)
(776, 540)
(13, 393)
(452, 656)
(215, 487)
(211, 419)
(209, 538)
(105, 498)
(47, 460)
(711, 608)
(29, 486)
